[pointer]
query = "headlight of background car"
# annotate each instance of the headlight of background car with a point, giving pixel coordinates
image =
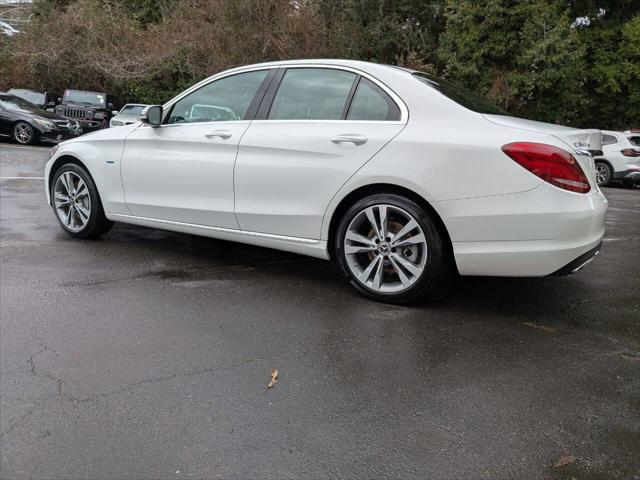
(98, 115)
(44, 123)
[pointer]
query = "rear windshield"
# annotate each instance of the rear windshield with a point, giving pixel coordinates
(132, 110)
(461, 96)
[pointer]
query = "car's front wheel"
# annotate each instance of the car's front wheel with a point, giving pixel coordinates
(23, 133)
(391, 249)
(76, 202)
(603, 174)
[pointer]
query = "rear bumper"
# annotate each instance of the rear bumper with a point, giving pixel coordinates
(528, 234)
(579, 263)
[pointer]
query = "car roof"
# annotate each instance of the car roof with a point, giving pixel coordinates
(357, 64)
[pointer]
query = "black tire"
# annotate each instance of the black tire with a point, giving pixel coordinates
(20, 129)
(604, 174)
(98, 224)
(437, 269)
(104, 124)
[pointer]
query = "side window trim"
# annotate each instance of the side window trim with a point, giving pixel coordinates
(253, 105)
(352, 93)
(270, 95)
(259, 96)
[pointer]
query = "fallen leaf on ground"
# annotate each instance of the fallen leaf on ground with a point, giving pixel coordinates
(274, 378)
(544, 328)
(564, 460)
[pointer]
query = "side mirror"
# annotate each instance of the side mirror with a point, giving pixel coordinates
(59, 100)
(51, 105)
(152, 115)
(114, 112)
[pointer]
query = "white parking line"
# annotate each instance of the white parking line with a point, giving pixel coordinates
(22, 178)
(20, 147)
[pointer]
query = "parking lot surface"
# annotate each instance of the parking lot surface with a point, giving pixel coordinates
(146, 354)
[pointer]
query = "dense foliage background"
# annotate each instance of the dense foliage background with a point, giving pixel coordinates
(572, 62)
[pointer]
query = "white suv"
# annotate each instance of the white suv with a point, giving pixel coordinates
(620, 159)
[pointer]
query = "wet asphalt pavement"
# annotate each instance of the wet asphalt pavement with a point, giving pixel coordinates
(146, 355)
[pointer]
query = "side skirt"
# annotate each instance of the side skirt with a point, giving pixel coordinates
(303, 246)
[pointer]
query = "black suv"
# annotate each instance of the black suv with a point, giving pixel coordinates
(92, 110)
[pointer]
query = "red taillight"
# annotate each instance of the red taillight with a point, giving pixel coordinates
(552, 164)
(630, 152)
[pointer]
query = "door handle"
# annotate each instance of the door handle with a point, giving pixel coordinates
(224, 134)
(350, 138)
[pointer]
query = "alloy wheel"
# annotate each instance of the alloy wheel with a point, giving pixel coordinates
(23, 133)
(602, 174)
(72, 201)
(385, 248)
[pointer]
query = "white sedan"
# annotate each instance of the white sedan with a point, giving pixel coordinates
(398, 177)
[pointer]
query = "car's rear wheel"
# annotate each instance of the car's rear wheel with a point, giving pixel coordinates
(391, 249)
(76, 202)
(23, 133)
(603, 174)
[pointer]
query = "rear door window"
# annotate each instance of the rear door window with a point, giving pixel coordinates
(609, 140)
(312, 94)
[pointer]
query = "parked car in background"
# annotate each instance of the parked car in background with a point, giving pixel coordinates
(129, 114)
(92, 110)
(27, 123)
(368, 165)
(8, 30)
(620, 159)
(44, 100)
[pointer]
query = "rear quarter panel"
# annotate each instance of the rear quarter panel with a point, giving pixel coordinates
(445, 158)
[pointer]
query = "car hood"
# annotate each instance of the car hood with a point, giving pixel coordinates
(40, 114)
(49, 115)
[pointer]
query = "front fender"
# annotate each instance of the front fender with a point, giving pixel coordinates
(101, 157)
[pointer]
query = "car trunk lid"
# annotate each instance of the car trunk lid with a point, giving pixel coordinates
(584, 144)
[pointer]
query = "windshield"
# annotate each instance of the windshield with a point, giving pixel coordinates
(461, 96)
(88, 98)
(29, 95)
(132, 109)
(11, 102)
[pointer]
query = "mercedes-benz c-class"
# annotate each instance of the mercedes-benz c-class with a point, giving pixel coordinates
(398, 177)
